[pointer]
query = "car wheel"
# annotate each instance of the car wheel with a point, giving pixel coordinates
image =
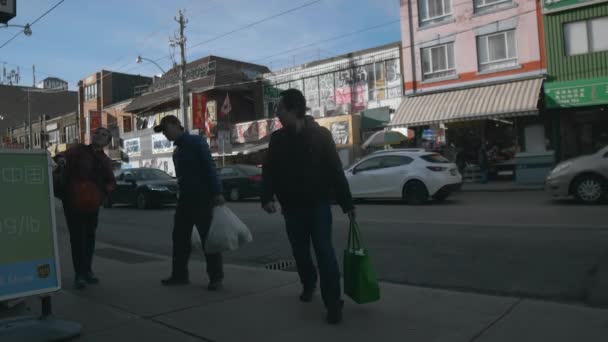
(107, 203)
(415, 193)
(142, 201)
(234, 195)
(589, 189)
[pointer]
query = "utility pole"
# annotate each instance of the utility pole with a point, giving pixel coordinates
(181, 41)
(29, 122)
(34, 75)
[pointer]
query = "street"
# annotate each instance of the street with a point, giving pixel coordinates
(513, 243)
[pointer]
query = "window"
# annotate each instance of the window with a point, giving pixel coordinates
(435, 159)
(497, 51)
(431, 11)
(395, 161)
(54, 137)
(90, 92)
(70, 134)
(585, 36)
(484, 5)
(370, 164)
(311, 91)
(438, 62)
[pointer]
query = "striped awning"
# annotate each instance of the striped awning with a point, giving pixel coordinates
(517, 98)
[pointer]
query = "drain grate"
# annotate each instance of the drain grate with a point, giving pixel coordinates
(124, 256)
(280, 265)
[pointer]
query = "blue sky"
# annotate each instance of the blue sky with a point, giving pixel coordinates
(84, 36)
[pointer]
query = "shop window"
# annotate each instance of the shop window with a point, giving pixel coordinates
(54, 137)
(489, 5)
(497, 51)
(585, 36)
(70, 134)
(433, 11)
(438, 62)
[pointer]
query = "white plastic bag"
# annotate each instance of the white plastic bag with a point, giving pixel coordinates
(227, 232)
(196, 240)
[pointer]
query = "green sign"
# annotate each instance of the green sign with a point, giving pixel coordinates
(576, 93)
(550, 6)
(28, 254)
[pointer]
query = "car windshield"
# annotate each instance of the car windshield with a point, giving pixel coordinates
(435, 158)
(151, 174)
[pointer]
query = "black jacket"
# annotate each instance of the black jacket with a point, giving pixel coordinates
(303, 169)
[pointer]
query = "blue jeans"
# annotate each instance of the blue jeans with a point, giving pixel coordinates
(314, 224)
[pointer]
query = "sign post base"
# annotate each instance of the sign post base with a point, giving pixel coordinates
(34, 329)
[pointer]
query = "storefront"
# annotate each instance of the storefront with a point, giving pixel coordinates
(483, 127)
(580, 109)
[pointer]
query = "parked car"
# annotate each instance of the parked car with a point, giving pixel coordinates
(413, 175)
(585, 178)
(143, 187)
(241, 181)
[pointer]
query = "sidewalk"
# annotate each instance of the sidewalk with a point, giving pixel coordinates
(262, 305)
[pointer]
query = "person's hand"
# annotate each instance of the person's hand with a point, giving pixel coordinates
(270, 207)
(352, 214)
(218, 200)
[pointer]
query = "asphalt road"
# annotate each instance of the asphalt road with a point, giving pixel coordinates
(518, 243)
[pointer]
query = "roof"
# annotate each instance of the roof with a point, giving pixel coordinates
(221, 78)
(14, 106)
(515, 98)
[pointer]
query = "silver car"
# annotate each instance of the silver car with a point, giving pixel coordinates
(585, 178)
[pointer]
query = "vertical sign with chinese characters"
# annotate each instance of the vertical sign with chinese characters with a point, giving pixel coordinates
(199, 111)
(28, 250)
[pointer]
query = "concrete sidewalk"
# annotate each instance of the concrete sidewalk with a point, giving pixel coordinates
(262, 305)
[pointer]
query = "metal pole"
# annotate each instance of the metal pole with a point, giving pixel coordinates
(182, 82)
(29, 122)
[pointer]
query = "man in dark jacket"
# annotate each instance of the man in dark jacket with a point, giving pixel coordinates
(304, 171)
(82, 181)
(199, 191)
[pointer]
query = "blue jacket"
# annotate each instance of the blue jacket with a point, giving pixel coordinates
(195, 169)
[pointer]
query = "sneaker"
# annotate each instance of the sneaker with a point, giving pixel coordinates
(307, 294)
(80, 283)
(334, 313)
(215, 285)
(174, 281)
(91, 279)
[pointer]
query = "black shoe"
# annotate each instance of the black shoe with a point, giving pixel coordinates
(334, 313)
(215, 285)
(307, 294)
(174, 281)
(80, 283)
(90, 278)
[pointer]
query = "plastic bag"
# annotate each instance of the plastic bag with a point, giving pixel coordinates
(227, 232)
(196, 240)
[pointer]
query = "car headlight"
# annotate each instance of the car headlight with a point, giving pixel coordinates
(561, 168)
(157, 188)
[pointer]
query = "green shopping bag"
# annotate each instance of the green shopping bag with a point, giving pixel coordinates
(360, 281)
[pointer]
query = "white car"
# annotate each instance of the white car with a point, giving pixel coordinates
(413, 175)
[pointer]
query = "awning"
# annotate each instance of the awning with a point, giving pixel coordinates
(517, 98)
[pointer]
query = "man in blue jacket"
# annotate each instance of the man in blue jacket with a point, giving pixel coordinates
(199, 191)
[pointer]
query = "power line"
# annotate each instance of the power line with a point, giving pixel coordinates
(33, 22)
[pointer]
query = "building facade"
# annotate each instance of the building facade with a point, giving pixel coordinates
(362, 83)
(223, 93)
(473, 73)
(100, 96)
(52, 83)
(576, 91)
(22, 105)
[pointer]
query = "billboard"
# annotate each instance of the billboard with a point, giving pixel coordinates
(29, 261)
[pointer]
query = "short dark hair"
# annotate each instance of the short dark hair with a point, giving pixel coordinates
(294, 100)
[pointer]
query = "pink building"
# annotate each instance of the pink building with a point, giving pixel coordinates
(473, 68)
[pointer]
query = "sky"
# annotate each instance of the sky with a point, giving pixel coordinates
(81, 37)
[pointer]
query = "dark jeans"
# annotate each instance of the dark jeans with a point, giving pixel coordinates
(314, 224)
(187, 215)
(82, 227)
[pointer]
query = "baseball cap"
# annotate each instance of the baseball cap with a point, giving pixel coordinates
(169, 119)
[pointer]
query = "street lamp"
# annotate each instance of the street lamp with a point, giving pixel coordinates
(140, 59)
(27, 28)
